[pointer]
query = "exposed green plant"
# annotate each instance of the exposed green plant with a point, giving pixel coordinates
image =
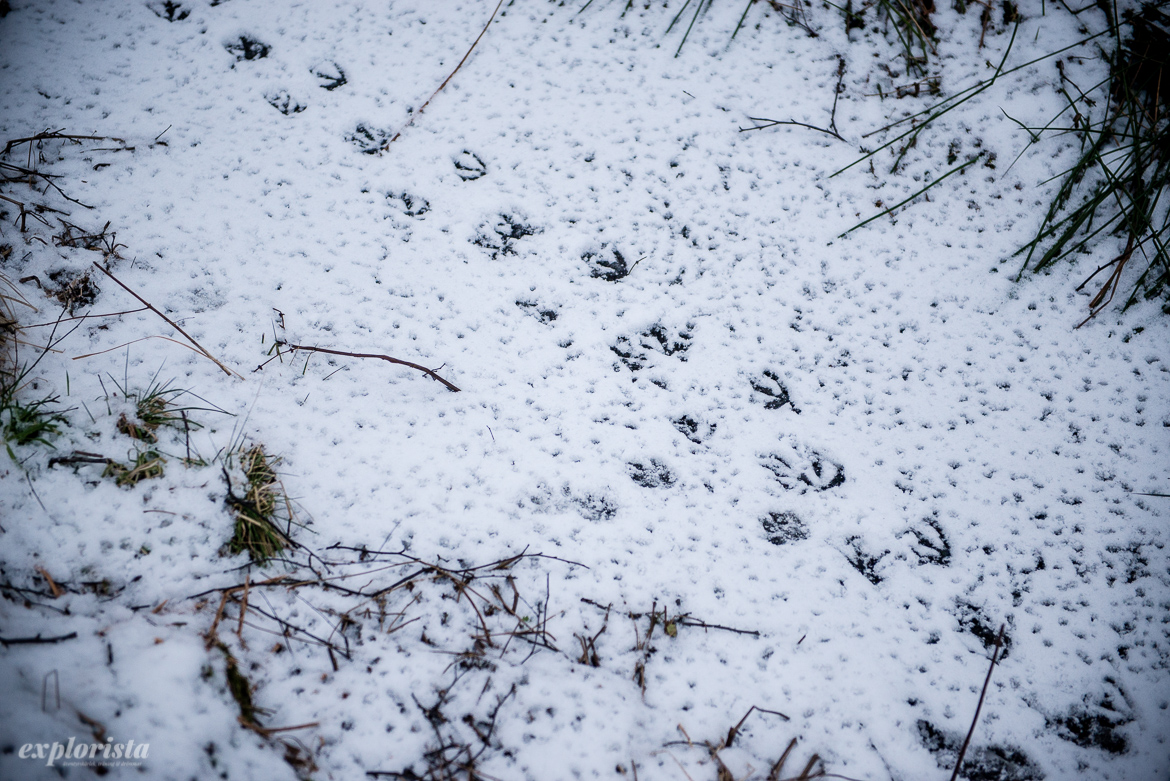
(911, 22)
(920, 191)
(26, 423)
(916, 32)
(264, 513)
(22, 422)
(241, 689)
(793, 12)
(147, 464)
(1123, 169)
(922, 120)
(155, 408)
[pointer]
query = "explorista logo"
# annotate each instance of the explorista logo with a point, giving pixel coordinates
(85, 753)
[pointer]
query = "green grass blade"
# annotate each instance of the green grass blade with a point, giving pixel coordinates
(743, 16)
(900, 204)
(687, 34)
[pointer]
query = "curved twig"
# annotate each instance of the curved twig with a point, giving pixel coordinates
(429, 372)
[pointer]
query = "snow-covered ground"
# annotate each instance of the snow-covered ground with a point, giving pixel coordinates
(678, 384)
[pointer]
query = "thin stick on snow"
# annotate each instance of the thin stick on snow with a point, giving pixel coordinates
(410, 121)
(38, 640)
(199, 348)
(979, 707)
(774, 122)
(429, 372)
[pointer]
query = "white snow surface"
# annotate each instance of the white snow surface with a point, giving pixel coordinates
(953, 455)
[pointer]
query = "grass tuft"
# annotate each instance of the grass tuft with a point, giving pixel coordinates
(147, 464)
(21, 422)
(154, 409)
(264, 513)
(1117, 185)
(28, 423)
(914, 29)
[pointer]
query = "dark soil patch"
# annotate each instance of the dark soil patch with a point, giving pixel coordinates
(865, 563)
(595, 508)
(412, 205)
(370, 140)
(973, 619)
(74, 291)
(609, 269)
(545, 316)
(805, 469)
(932, 545)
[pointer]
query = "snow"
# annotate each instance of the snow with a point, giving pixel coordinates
(677, 379)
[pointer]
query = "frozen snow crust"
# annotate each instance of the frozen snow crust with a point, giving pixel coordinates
(867, 453)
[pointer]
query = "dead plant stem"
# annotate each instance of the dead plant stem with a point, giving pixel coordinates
(410, 121)
(168, 320)
(979, 706)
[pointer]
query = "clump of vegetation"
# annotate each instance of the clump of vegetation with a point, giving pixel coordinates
(28, 423)
(912, 24)
(1116, 186)
(264, 514)
(241, 689)
(147, 464)
(21, 422)
(154, 409)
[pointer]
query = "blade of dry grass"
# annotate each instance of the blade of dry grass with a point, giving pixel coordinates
(447, 80)
(169, 322)
(979, 707)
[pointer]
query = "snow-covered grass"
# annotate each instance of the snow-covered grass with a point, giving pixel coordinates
(565, 429)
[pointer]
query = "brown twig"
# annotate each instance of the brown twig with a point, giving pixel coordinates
(979, 707)
(53, 587)
(48, 179)
(410, 121)
(169, 321)
(734, 731)
(1100, 301)
(774, 122)
(837, 92)
(429, 372)
(705, 625)
(243, 608)
(38, 640)
(53, 134)
(774, 773)
(210, 637)
(79, 457)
